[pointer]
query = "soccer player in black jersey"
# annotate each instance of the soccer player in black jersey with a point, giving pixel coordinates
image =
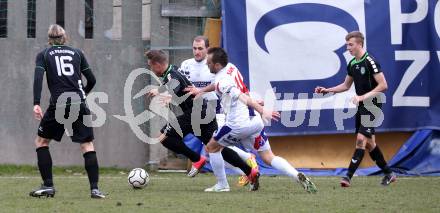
(174, 82)
(366, 74)
(64, 67)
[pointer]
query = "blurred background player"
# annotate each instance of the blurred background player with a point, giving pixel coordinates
(64, 67)
(196, 70)
(369, 82)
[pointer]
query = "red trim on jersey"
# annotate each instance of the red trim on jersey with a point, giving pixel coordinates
(257, 142)
(244, 89)
(230, 70)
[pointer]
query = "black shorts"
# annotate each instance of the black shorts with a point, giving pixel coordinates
(362, 128)
(50, 128)
(206, 130)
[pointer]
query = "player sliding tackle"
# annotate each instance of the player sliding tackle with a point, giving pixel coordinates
(240, 126)
(181, 114)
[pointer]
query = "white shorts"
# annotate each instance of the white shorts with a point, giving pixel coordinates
(259, 144)
(221, 119)
(244, 134)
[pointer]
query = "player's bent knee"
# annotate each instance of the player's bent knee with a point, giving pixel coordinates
(87, 147)
(370, 144)
(40, 142)
(361, 141)
(213, 146)
(267, 156)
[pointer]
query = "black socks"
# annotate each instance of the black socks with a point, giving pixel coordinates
(377, 157)
(45, 165)
(356, 160)
(92, 168)
(178, 146)
(234, 159)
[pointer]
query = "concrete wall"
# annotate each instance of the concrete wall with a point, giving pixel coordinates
(110, 60)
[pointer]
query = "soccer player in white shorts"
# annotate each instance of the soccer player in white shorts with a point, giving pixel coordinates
(239, 127)
(196, 70)
(262, 146)
(259, 142)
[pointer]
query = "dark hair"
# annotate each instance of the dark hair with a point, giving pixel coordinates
(219, 55)
(202, 38)
(357, 35)
(157, 56)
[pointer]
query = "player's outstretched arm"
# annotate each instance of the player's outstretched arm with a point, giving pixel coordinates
(337, 89)
(266, 115)
(199, 91)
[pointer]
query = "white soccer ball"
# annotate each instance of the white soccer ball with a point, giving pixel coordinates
(138, 178)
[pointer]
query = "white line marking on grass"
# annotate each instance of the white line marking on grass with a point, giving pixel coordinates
(73, 177)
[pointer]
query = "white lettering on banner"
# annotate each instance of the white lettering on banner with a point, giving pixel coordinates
(339, 115)
(437, 18)
(299, 114)
(315, 114)
(438, 55)
(420, 58)
(397, 18)
(101, 116)
(375, 111)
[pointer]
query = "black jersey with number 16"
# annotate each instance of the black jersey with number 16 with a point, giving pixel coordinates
(63, 66)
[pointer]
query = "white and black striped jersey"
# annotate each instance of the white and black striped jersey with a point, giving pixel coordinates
(199, 75)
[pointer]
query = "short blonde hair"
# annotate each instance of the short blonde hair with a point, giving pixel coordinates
(357, 35)
(56, 35)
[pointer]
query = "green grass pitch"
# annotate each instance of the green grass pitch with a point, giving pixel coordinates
(174, 192)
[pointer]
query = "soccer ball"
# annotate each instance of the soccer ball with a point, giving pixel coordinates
(138, 178)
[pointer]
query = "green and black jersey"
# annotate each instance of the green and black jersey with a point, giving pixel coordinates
(363, 72)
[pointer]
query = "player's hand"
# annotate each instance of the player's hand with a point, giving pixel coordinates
(261, 102)
(320, 89)
(356, 99)
(152, 92)
(165, 99)
(268, 115)
(38, 114)
(192, 90)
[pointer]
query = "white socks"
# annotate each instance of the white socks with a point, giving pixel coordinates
(218, 167)
(282, 165)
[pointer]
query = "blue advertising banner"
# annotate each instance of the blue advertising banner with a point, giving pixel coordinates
(285, 48)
